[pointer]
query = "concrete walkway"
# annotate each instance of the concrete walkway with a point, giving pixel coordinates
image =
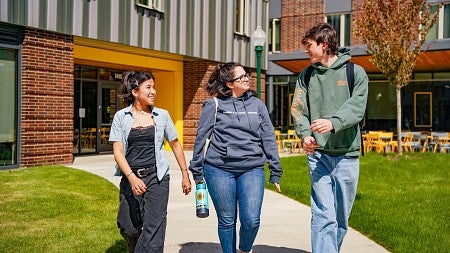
(285, 223)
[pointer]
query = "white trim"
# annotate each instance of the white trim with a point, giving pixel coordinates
(441, 23)
(342, 31)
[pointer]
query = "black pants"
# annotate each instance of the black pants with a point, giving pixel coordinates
(142, 219)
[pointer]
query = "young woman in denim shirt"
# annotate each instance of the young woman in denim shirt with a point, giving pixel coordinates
(138, 132)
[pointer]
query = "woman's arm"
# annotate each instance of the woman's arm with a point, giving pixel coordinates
(137, 185)
(179, 155)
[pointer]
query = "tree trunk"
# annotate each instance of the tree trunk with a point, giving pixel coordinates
(399, 118)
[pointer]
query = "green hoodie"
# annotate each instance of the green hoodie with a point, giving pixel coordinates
(329, 98)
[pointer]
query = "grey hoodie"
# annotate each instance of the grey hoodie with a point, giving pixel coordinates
(243, 137)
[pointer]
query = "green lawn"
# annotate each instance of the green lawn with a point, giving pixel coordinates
(57, 209)
(403, 203)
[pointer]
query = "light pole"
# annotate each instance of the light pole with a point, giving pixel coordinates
(259, 38)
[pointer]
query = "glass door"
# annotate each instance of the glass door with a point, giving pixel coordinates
(109, 106)
(85, 117)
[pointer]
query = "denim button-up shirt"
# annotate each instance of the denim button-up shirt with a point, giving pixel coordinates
(164, 129)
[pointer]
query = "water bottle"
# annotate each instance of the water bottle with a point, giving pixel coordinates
(201, 200)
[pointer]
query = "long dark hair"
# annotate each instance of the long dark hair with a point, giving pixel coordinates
(222, 73)
(130, 81)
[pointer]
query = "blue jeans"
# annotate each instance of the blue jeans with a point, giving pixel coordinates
(230, 190)
(334, 180)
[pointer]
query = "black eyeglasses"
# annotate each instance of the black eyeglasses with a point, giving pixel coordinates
(241, 78)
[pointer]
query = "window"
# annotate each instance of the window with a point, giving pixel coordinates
(150, 4)
(341, 22)
(274, 35)
(242, 19)
(423, 116)
(441, 29)
(8, 106)
(446, 21)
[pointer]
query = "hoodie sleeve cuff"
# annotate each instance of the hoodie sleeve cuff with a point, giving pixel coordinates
(337, 125)
(274, 179)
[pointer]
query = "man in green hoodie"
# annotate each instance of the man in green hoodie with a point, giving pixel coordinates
(326, 115)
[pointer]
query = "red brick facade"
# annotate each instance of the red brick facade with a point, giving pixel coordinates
(196, 75)
(299, 15)
(296, 17)
(47, 98)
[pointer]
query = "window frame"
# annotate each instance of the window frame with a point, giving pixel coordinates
(441, 32)
(342, 31)
(242, 18)
(17, 107)
(273, 41)
(151, 4)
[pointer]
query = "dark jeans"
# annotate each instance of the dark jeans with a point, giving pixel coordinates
(142, 219)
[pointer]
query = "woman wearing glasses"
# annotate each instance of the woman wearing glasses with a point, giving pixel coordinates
(242, 141)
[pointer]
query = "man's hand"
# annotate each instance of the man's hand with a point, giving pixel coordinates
(321, 126)
(309, 144)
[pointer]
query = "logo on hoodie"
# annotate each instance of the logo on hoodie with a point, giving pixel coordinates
(342, 83)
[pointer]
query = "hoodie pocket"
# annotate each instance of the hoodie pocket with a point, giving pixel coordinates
(244, 151)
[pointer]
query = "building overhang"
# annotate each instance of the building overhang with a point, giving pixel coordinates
(434, 57)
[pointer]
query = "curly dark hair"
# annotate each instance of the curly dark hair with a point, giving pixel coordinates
(323, 32)
(222, 73)
(130, 81)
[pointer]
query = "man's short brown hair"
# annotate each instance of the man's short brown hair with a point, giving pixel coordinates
(323, 32)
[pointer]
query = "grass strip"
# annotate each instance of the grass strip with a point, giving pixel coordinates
(402, 203)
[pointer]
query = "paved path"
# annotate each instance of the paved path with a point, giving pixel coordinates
(285, 223)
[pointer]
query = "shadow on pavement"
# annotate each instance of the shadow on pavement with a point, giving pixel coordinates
(207, 247)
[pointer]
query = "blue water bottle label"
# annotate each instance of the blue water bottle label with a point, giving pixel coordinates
(201, 200)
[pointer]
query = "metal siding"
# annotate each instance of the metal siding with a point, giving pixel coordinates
(85, 19)
(229, 31)
(124, 22)
(183, 24)
(114, 21)
(140, 29)
(204, 33)
(43, 14)
(64, 14)
(77, 23)
(197, 28)
(134, 26)
(33, 13)
(52, 14)
(218, 30)
(4, 10)
(145, 32)
(93, 21)
(172, 26)
(189, 49)
(17, 12)
(196, 42)
(152, 36)
(212, 28)
(103, 22)
(159, 37)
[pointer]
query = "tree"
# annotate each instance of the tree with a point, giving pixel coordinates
(394, 32)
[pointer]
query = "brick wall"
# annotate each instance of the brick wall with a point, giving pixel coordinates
(47, 98)
(296, 17)
(196, 75)
(300, 15)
